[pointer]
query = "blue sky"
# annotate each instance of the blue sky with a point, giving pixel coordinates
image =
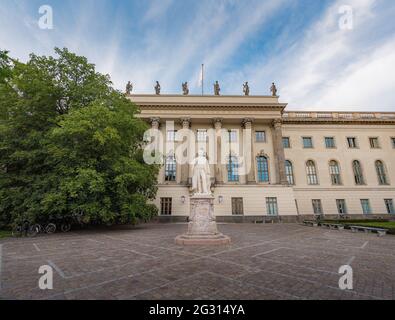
(298, 44)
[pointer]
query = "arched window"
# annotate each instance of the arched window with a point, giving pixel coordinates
(170, 168)
(311, 170)
(289, 172)
(381, 172)
(263, 169)
(334, 171)
(358, 175)
(233, 169)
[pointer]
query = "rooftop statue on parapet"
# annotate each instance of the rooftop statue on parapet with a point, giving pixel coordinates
(157, 88)
(185, 89)
(273, 89)
(217, 88)
(246, 89)
(129, 88)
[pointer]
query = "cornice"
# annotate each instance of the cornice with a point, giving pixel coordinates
(338, 121)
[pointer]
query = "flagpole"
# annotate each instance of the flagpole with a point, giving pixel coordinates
(202, 79)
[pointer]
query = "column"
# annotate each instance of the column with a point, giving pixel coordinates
(279, 152)
(218, 151)
(155, 124)
(186, 124)
(248, 141)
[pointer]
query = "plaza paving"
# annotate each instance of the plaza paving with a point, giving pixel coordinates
(280, 261)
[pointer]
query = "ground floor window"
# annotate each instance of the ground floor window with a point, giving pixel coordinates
(271, 205)
(165, 206)
(366, 209)
(389, 204)
(317, 206)
(341, 206)
(237, 206)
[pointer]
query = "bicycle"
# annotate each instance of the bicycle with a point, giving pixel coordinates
(46, 228)
(25, 229)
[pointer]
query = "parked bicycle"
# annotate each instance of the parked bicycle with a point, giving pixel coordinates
(25, 229)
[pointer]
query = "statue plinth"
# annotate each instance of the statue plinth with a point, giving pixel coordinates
(202, 228)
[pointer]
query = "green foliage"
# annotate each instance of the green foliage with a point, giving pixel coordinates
(69, 143)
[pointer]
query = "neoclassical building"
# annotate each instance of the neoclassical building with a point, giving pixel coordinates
(302, 163)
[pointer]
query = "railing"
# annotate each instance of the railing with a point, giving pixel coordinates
(340, 115)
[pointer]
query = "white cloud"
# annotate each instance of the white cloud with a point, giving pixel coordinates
(329, 68)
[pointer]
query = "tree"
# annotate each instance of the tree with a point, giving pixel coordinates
(5, 62)
(70, 143)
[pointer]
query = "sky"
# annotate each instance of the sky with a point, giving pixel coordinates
(324, 55)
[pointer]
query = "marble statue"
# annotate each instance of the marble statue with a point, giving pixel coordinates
(129, 88)
(273, 89)
(217, 88)
(185, 88)
(246, 89)
(157, 88)
(201, 181)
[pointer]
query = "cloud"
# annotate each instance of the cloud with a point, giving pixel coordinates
(296, 44)
(328, 67)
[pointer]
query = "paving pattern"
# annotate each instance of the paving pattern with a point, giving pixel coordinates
(279, 261)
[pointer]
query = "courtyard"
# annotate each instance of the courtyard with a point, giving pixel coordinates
(264, 261)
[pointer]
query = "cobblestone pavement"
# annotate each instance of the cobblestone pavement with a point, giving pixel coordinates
(280, 261)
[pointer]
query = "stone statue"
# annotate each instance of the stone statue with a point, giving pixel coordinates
(273, 89)
(129, 88)
(201, 181)
(185, 88)
(157, 88)
(246, 89)
(217, 89)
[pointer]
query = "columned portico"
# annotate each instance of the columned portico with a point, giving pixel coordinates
(186, 124)
(219, 168)
(249, 159)
(279, 152)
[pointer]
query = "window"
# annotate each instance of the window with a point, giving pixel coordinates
(374, 143)
(381, 172)
(334, 171)
(260, 136)
(233, 169)
(271, 205)
(341, 206)
(237, 206)
(330, 142)
(202, 135)
(352, 142)
(287, 143)
(358, 175)
(365, 203)
(389, 204)
(393, 142)
(171, 135)
(289, 172)
(307, 142)
(263, 169)
(170, 168)
(311, 170)
(317, 206)
(232, 135)
(165, 206)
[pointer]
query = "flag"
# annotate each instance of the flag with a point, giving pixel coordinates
(200, 83)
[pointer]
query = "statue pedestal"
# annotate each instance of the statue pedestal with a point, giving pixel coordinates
(202, 228)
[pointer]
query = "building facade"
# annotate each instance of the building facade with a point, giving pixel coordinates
(302, 164)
